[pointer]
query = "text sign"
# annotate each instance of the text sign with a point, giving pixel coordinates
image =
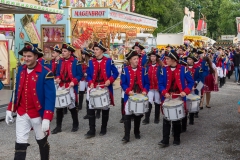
(121, 16)
(89, 13)
(227, 37)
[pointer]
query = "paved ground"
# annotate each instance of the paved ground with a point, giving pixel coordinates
(215, 135)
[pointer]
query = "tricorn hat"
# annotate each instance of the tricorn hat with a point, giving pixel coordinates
(28, 46)
(131, 54)
(68, 46)
(56, 49)
(138, 45)
(100, 45)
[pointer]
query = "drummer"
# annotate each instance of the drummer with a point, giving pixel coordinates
(153, 67)
(134, 79)
(69, 73)
(43, 60)
(86, 54)
(56, 51)
(197, 74)
(174, 80)
(101, 72)
(139, 48)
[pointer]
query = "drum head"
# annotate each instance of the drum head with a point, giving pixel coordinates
(61, 92)
(193, 97)
(172, 103)
(138, 97)
(98, 92)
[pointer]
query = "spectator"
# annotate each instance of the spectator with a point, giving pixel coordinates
(236, 62)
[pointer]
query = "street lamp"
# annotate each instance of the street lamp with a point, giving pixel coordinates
(199, 7)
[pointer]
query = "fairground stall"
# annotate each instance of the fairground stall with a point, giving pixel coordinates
(84, 22)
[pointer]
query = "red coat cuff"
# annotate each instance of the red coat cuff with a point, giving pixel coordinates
(57, 77)
(145, 90)
(48, 115)
(89, 83)
(75, 81)
(9, 108)
(187, 91)
(164, 92)
(127, 91)
(111, 79)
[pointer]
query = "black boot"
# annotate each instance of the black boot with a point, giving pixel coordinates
(65, 110)
(191, 118)
(122, 108)
(177, 132)
(157, 113)
(81, 97)
(105, 116)
(221, 82)
(184, 124)
(98, 113)
(137, 121)
(147, 114)
(166, 133)
(87, 108)
(92, 120)
(75, 125)
(196, 115)
(127, 128)
(20, 151)
(44, 148)
(59, 119)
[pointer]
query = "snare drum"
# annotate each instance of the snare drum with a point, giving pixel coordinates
(193, 102)
(99, 98)
(63, 99)
(173, 110)
(138, 104)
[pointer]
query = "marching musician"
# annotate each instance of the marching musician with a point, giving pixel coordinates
(134, 79)
(197, 75)
(122, 92)
(43, 60)
(86, 55)
(101, 72)
(204, 66)
(56, 51)
(69, 73)
(34, 101)
(173, 80)
(140, 50)
(153, 67)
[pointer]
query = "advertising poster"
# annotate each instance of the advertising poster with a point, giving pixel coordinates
(4, 62)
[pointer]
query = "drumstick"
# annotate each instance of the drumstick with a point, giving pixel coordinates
(176, 94)
(100, 85)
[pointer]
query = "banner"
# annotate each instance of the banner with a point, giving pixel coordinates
(4, 62)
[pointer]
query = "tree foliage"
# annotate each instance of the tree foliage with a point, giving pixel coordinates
(220, 14)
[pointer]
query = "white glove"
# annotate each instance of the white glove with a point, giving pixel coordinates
(9, 118)
(45, 125)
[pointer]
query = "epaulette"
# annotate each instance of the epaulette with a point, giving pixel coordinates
(123, 71)
(145, 72)
(112, 62)
(161, 71)
(186, 70)
(79, 62)
(46, 62)
(49, 75)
